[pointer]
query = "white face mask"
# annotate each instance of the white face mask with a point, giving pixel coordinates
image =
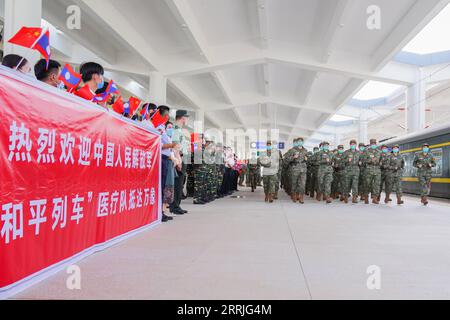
(61, 86)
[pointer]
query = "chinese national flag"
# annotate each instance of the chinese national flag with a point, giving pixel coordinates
(85, 93)
(26, 37)
(118, 106)
(158, 120)
(134, 104)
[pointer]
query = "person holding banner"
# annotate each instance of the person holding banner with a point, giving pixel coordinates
(17, 62)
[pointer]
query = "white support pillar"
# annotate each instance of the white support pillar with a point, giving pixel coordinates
(18, 14)
(416, 104)
(363, 128)
(158, 88)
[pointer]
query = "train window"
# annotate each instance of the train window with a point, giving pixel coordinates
(438, 170)
(410, 171)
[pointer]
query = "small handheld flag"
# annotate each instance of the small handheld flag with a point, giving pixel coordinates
(70, 78)
(158, 119)
(134, 104)
(33, 38)
(85, 93)
(118, 106)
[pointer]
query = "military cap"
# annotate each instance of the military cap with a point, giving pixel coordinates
(426, 145)
(396, 146)
(182, 113)
(362, 144)
(353, 142)
(340, 146)
(325, 143)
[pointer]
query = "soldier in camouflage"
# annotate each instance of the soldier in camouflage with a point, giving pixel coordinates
(199, 172)
(339, 173)
(372, 173)
(325, 174)
(315, 171)
(309, 190)
(361, 187)
(395, 165)
(254, 170)
(270, 161)
(352, 171)
(385, 155)
(425, 162)
(297, 159)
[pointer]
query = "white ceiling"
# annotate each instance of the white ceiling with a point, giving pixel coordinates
(290, 64)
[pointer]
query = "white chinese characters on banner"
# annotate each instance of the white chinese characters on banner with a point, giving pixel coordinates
(116, 156)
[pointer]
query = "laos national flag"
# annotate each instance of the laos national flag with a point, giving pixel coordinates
(43, 46)
(112, 88)
(70, 78)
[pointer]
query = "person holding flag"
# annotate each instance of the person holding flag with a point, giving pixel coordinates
(92, 76)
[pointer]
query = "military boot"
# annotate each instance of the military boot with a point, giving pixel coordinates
(313, 195)
(399, 200)
(275, 196)
(319, 197)
(301, 198)
(387, 199)
(346, 199)
(293, 197)
(425, 201)
(366, 199)
(270, 198)
(375, 200)
(355, 199)
(329, 200)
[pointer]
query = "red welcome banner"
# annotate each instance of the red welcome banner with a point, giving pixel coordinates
(73, 175)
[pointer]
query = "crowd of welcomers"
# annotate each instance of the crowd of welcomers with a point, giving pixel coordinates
(176, 139)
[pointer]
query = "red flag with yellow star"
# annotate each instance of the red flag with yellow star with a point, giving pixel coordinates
(26, 37)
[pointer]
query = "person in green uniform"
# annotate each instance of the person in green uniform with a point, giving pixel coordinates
(425, 162)
(325, 174)
(395, 165)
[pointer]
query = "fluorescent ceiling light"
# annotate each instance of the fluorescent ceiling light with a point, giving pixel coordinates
(339, 118)
(376, 90)
(434, 37)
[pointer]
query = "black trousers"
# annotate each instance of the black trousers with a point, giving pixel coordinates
(178, 189)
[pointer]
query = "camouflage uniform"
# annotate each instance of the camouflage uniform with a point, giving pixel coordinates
(270, 161)
(339, 174)
(253, 171)
(297, 159)
(372, 173)
(384, 169)
(395, 165)
(352, 171)
(362, 170)
(314, 174)
(309, 175)
(424, 162)
(325, 174)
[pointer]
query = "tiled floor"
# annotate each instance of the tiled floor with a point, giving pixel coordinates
(246, 249)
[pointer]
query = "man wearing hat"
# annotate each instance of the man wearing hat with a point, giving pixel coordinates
(180, 138)
(425, 162)
(352, 160)
(372, 172)
(297, 159)
(385, 158)
(395, 166)
(325, 174)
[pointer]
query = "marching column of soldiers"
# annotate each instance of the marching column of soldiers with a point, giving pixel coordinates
(360, 173)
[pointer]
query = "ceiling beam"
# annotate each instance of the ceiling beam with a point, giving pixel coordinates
(395, 73)
(336, 24)
(262, 24)
(418, 16)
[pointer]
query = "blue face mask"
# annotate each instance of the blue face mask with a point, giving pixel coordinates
(362, 149)
(385, 150)
(101, 84)
(269, 148)
(374, 147)
(340, 151)
(426, 150)
(326, 148)
(353, 147)
(396, 150)
(169, 132)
